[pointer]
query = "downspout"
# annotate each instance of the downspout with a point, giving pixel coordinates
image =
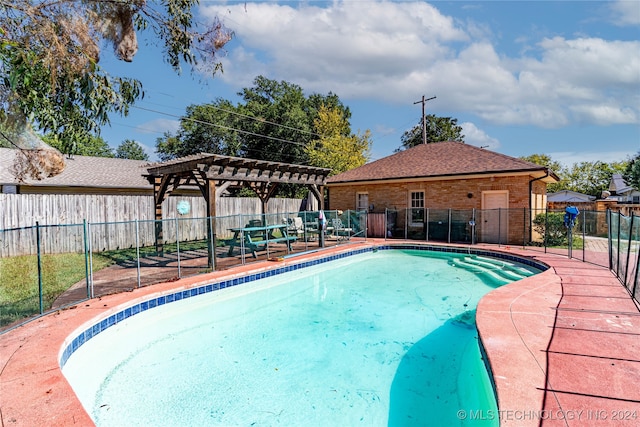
(530, 201)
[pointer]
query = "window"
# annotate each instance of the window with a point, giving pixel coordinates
(362, 201)
(417, 207)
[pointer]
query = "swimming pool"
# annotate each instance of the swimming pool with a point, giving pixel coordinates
(380, 338)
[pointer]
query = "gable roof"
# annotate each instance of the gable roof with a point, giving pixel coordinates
(618, 185)
(441, 159)
(569, 196)
(83, 171)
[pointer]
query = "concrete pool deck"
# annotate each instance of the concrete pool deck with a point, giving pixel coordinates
(563, 347)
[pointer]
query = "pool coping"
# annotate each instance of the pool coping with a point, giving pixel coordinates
(30, 355)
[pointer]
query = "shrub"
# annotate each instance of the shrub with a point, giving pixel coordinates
(551, 226)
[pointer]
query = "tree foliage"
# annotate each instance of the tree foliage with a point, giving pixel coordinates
(274, 121)
(278, 120)
(206, 128)
(438, 129)
(50, 53)
(590, 178)
(94, 146)
(543, 160)
(336, 148)
(546, 161)
(132, 150)
(632, 172)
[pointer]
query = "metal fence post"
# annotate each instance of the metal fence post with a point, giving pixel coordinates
(635, 280)
(618, 248)
(473, 226)
(584, 236)
(91, 295)
(626, 270)
(546, 229)
(386, 225)
(138, 251)
(609, 239)
(406, 222)
(39, 256)
(212, 244)
(178, 246)
(499, 226)
(86, 256)
(426, 218)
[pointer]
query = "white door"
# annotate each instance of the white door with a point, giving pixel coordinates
(494, 225)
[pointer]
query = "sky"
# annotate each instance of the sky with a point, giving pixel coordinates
(522, 78)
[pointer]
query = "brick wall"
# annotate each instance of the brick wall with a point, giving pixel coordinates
(444, 194)
(455, 194)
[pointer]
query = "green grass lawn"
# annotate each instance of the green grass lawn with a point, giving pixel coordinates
(19, 281)
(19, 289)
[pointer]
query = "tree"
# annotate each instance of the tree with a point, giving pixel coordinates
(93, 146)
(273, 122)
(130, 149)
(336, 148)
(438, 129)
(543, 160)
(279, 121)
(591, 177)
(50, 76)
(546, 161)
(208, 128)
(632, 172)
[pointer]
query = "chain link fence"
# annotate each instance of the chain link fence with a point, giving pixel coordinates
(51, 267)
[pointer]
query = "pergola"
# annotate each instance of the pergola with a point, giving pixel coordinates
(213, 173)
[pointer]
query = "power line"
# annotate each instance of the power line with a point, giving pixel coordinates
(222, 126)
(250, 118)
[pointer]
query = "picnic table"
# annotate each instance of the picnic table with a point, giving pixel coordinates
(258, 237)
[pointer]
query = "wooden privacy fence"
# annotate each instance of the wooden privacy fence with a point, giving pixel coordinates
(115, 222)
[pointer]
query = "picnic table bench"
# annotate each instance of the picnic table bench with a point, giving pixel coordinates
(258, 237)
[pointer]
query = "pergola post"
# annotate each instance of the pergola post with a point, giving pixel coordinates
(210, 197)
(157, 185)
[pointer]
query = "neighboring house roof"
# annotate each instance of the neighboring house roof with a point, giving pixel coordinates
(441, 159)
(83, 171)
(569, 196)
(618, 185)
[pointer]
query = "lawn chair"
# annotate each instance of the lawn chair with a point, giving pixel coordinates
(295, 226)
(339, 230)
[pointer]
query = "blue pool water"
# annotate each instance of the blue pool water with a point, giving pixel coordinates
(376, 339)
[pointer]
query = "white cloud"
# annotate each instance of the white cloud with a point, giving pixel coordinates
(478, 137)
(569, 158)
(625, 12)
(393, 52)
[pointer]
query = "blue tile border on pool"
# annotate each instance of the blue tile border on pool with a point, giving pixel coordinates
(125, 313)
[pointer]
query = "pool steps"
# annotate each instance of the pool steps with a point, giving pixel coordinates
(498, 269)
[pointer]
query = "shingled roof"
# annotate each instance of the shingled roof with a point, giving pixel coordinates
(84, 171)
(442, 159)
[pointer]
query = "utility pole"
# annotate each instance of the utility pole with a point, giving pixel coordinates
(424, 124)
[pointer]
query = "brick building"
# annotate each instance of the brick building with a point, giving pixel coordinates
(446, 175)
